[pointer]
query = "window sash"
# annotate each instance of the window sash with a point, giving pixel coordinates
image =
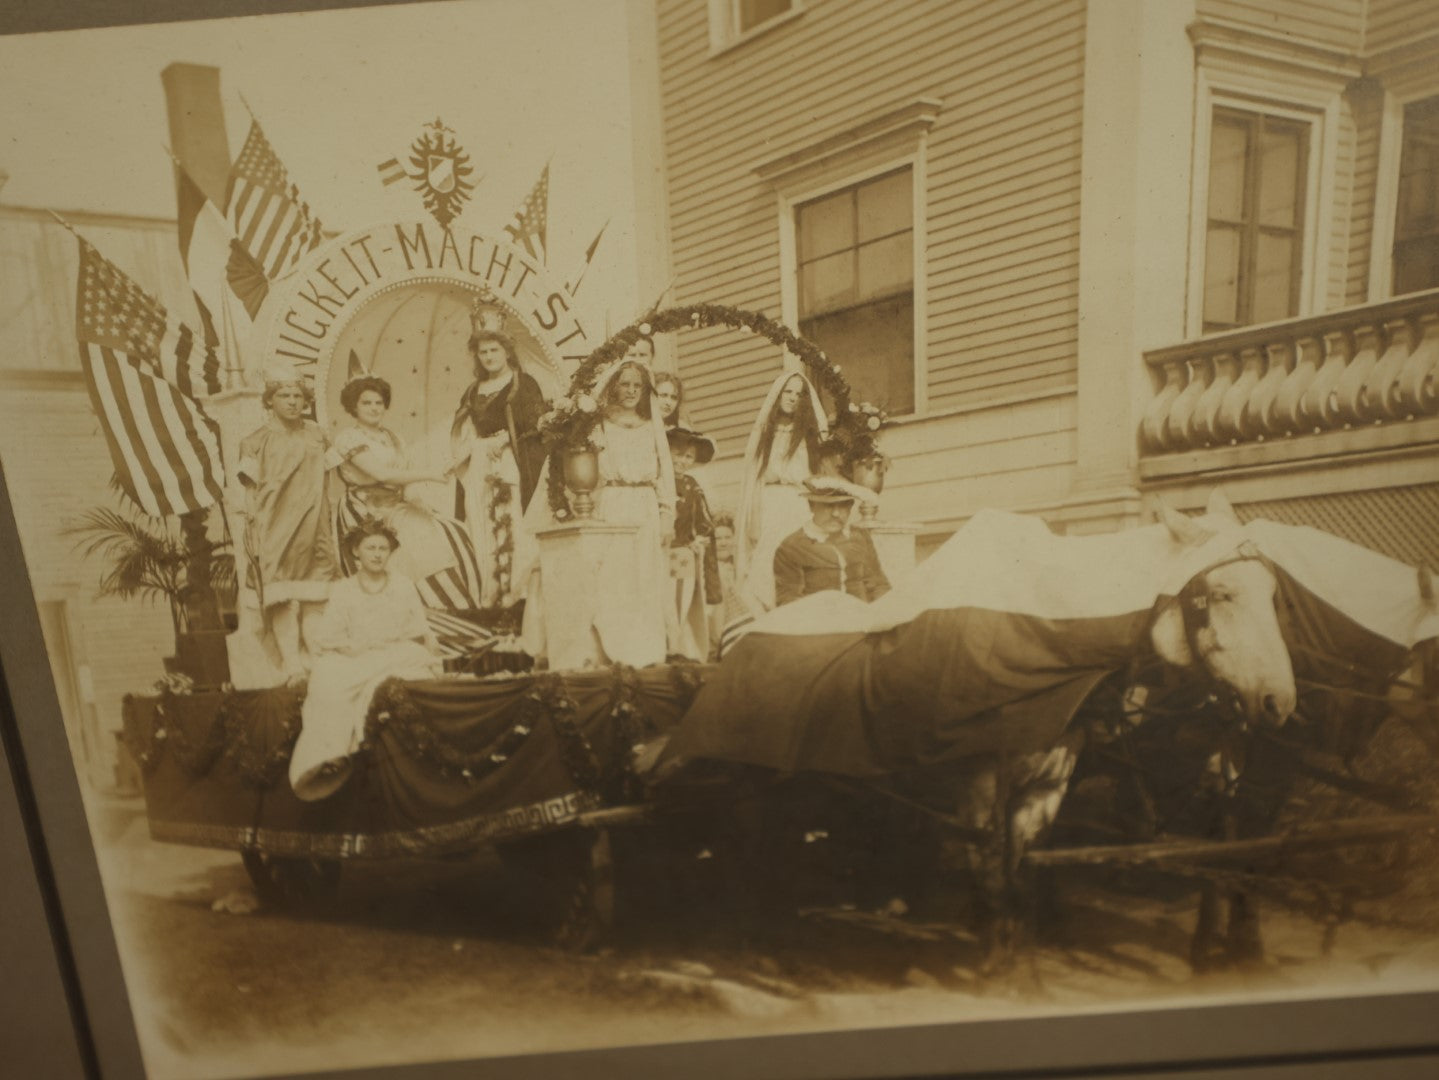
(1240, 299)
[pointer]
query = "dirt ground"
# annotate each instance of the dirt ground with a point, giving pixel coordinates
(429, 961)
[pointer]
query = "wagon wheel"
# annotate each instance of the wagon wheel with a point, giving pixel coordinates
(572, 875)
(291, 882)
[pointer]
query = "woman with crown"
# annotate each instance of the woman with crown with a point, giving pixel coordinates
(497, 452)
(433, 551)
(782, 452)
(289, 528)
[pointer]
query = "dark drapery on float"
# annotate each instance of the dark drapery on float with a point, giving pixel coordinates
(446, 764)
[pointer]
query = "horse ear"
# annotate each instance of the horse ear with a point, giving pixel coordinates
(1184, 529)
(1220, 506)
(1168, 637)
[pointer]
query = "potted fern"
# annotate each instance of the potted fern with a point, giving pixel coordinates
(153, 560)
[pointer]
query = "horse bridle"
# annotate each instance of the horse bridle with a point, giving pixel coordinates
(1194, 597)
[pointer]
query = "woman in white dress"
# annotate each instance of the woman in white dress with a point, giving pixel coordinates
(435, 551)
(373, 629)
(783, 450)
(637, 487)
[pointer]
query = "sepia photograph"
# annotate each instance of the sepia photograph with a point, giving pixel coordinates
(566, 525)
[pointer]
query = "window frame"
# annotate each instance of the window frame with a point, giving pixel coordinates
(724, 18)
(1399, 92)
(790, 201)
(1313, 101)
(1252, 228)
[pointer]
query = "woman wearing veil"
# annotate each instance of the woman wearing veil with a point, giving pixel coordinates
(783, 450)
(637, 487)
(497, 454)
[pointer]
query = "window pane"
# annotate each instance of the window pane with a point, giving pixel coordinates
(1281, 151)
(754, 12)
(874, 345)
(886, 205)
(1416, 227)
(1221, 276)
(1273, 278)
(1229, 150)
(886, 266)
(826, 225)
(827, 283)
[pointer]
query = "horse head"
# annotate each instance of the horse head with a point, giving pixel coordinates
(1224, 619)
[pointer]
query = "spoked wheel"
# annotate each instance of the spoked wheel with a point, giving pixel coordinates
(291, 882)
(571, 874)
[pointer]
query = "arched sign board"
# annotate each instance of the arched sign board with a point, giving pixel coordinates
(398, 297)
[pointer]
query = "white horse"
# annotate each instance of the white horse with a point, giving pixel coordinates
(976, 663)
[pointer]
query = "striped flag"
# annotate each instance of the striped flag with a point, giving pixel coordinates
(227, 283)
(391, 172)
(532, 219)
(265, 209)
(165, 449)
(455, 636)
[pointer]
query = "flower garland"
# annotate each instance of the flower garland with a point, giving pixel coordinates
(500, 509)
(195, 757)
(570, 426)
(257, 766)
(393, 710)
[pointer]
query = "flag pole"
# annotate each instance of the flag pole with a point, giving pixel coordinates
(253, 117)
(64, 223)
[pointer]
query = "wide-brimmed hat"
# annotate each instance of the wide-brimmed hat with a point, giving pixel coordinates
(703, 444)
(836, 489)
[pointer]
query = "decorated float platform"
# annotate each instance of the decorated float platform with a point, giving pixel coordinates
(447, 766)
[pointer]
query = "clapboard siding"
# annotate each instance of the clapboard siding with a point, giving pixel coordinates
(1397, 22)
(1367, 117)
(1001, 200)
(1336, 23)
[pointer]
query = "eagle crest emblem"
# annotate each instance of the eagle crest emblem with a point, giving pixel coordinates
(440, 170)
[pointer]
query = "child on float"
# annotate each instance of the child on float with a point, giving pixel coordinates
(694, 563)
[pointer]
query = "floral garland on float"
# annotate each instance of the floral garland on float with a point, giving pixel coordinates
(568, 430)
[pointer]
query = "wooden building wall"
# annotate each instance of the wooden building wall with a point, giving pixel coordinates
(1002, 208)
(56, 464)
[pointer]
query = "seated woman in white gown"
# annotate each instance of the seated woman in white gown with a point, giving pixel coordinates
(373, 629)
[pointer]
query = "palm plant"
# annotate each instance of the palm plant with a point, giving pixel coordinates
(149, 558)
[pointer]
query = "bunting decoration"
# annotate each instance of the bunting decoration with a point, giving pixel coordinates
(532, 219)
(142, 373)
(265, 209)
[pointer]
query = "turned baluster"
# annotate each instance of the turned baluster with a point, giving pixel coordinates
(1289, 403)
(1415, 387)
(1230, 423)
(1179, 432)
(1152, 429)
(1259, 421)
(1206, 412)
(1349, 391)
(1380, 400)
(1320, 408)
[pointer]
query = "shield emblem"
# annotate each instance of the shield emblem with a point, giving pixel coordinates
(441, 174)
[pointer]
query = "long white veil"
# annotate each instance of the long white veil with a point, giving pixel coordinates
(750, 480)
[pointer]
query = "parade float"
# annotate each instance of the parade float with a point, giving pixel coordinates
(997, 666)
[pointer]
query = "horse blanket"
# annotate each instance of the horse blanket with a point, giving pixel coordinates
(992, 644)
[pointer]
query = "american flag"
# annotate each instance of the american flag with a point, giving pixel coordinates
(531, 219)
(141, 371)
(265, 209)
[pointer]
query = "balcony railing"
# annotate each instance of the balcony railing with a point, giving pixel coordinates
(1358, 367)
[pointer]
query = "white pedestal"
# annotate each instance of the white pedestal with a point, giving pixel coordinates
(894, 544)
(588, 570)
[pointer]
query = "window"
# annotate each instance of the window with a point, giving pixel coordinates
(855, 260)
(1416, 223)
(1253, 258)
(752, 13)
